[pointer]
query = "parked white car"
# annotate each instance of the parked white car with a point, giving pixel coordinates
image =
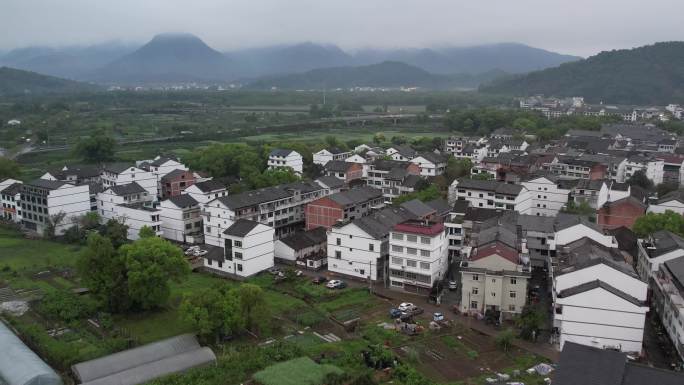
(406, 306)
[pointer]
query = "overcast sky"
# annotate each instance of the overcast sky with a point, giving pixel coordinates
(581, 27)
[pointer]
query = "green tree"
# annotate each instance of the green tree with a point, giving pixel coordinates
(582, 208)
(426, 195)
(530, 321)
(648, 224)
(272, 177)
(146, 232)
(504, 340)
(378, 138)
(253, 306)
(9, 168)
(150, 263)
(213, 312)
(116, 232)
(99, 147)
(90, 221)
(103, 273)
(640, 179)
(65, 306)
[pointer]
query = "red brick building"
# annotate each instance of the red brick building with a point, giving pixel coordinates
(622, 212)
(175, 182)
(341, 206)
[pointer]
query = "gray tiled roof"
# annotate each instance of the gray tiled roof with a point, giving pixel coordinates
(177, 173)
(591, 285)
(418, 208)
(241, 228)
(665, 242)
(356, 196)
(380, 223)
(268, 194)
(676, 268)
(490, 185)
(117, 168)
(127, 189)
(209, 186)
(46, 184)
(337, 166)
(330, 181)
(303, 239)
(12, 189)
(183, 200)
(279, 152)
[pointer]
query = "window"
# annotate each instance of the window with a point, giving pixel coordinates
(476, 277)
(493, 280)
(511, 307)
(411, 238)
(425, 240)
(239, 267)
(473, 304)
(397, 261)
(338, 254)
(411, 263)
(425, 266)
(411, 251)
(237, 243)
(474, 291)
(512, 294)
(396, 283)
(220, 264)
(399, 237)
(209, 262)
(338, 241)
(397, 249)
(425, 253)
(514, 281)
(493, 294)
(238, 255)
(371, 247)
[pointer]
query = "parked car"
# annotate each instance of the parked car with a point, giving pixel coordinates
(395, 313)
(299, 273)
(336, 284)
(319, 280)
(199, 253)
(453, 285)
(438, 317)
(405, 306)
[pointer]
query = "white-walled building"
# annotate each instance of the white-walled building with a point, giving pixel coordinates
(123, 173)
(430, 164)
(181, 220)
(592, 283)
(652, 167)
(673, 201)
(668, 300)
(10, 196)
(491, 194)
(327, 154)
(660, 247)
(401, 153)
(42, 201)
(570, 228)
(281, 207)
(244, 249)
(286, 158)
(548, 198)
(360, 248)
(418, 256)
(131, 205)
(206, 191)
(306, 249)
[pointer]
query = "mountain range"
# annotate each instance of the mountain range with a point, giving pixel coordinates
(20, 82)
(652, 74)
(169, 58)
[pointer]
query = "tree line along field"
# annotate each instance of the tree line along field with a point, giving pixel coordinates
(35, 269)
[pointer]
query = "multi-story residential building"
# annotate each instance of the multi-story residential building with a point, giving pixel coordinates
(668, 300)
(131, 205)
(123, 173)
(591, 283)
(360, 248)
(585, 191)
(418, 256)
(651, 166)
(331, 184)
(455, 232)
(548, 198)
(577, 167)
(395, 178)
(343, 170)
(476, 153)
(10, 196)
(673, 201)
(44, 201)
(281, 207)
(243, 249)
(286, 158)
(181, 220)
(206, 191)
(496, 275)
(175, 182)
(327, 154)
(660, 247)
(491, 194)
(161, 165)
(430, 164)
(343, 206)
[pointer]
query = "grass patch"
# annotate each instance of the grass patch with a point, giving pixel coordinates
(19, 253)
(298, 371)
(153, 326)
(348, 298)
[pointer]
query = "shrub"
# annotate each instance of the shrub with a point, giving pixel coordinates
(504, 340)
